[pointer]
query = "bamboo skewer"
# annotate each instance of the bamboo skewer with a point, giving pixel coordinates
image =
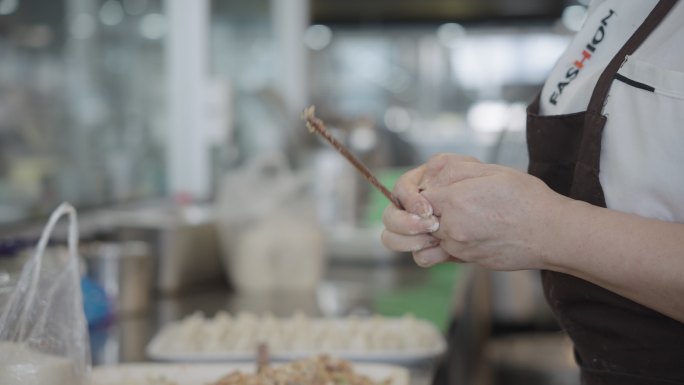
(316, 125)
(263, 359)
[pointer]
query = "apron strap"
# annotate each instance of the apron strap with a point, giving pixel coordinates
(600, 93)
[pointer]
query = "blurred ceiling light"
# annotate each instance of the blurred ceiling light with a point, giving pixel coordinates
(82, 26)
(451, 34)
(488, 116)
(135, 7)
(111, 13)
(317, 37)
(397, 119)
(153, 26)
(573, 17)
(8, 6)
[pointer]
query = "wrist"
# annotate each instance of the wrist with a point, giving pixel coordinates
(558, 235)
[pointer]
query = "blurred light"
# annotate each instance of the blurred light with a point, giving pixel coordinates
(317, 37)
(111, 13)
(494, 60)
(488, 117)
(584, 2)
(451, 34)
(363, 138)
(8, 6)
(83, 26)
(573, 17)
(396, 80)
(397, 119)
(517, 117)
(153, 26)
(135, 7)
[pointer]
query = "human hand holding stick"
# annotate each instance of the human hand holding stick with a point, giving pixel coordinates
(316, 125)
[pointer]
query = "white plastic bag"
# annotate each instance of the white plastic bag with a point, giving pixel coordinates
(43, 331)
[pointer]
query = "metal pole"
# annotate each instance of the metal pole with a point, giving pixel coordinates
(188, 160)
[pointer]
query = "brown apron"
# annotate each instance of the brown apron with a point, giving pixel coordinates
(617, 341)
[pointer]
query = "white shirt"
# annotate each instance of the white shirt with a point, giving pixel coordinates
(642, 154)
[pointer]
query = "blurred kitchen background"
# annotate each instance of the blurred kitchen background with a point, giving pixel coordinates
(174, 128)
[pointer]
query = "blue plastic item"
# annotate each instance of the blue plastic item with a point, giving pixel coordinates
(96, 305)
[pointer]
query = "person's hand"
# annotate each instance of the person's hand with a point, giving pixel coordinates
(411, 229)
(491, 215)
(495, 216)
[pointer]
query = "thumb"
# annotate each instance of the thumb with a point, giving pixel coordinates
(407, 191)
(438, 199)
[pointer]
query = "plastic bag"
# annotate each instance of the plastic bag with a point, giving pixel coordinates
(43, 332)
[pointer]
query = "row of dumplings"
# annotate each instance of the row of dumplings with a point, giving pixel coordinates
(226, 333)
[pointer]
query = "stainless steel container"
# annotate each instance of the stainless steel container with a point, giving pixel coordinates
(183, 244)
(125, 271)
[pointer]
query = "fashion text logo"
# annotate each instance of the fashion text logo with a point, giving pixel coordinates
(578, 65)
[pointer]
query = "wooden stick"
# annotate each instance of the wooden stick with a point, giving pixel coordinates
(317, 126)
(263, 359)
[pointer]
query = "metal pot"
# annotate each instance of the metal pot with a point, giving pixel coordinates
(124, 270)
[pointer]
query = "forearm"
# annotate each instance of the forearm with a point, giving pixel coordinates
(639, 258)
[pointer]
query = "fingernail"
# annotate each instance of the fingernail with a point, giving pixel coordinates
(420, 260)
(430, 224)
(426, 224)
(427, 259)
(423, 209)
(428, 211)
(433, 224)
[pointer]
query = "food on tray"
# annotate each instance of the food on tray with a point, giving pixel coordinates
(151, 380)
(313, 371)
(319, 370)
(297, 334)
